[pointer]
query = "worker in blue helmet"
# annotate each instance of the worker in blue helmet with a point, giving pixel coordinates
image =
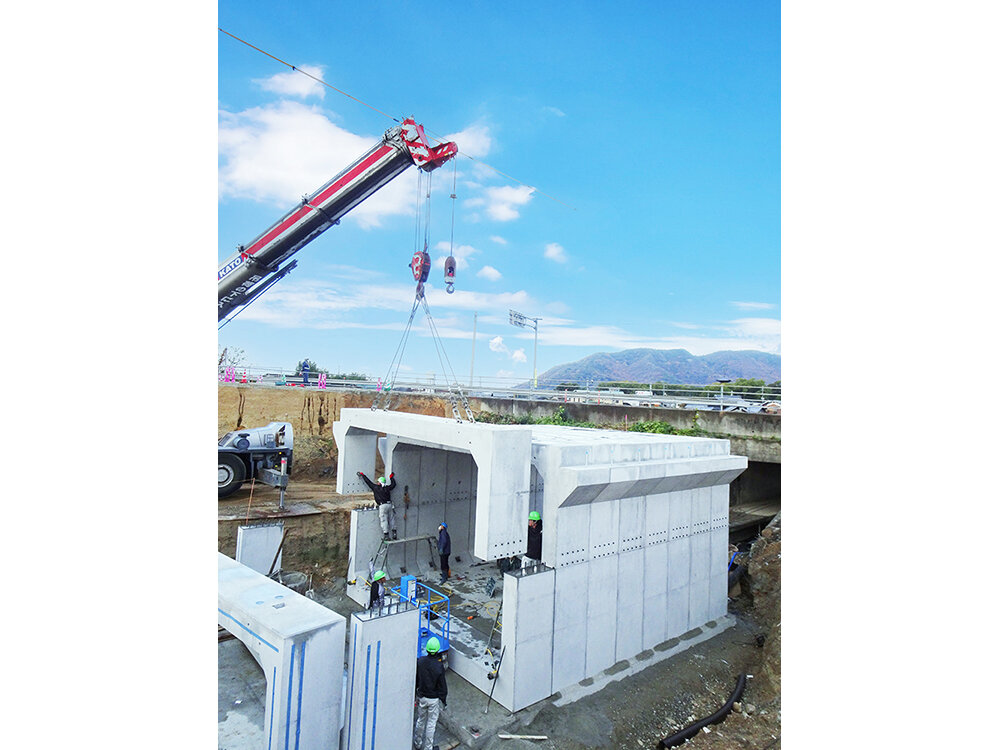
(432, 693)
(444, 551)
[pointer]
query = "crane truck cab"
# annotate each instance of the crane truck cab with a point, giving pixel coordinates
(255, 453)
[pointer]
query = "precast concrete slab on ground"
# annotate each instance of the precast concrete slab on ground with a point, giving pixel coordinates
(299, 645)
(634, 540)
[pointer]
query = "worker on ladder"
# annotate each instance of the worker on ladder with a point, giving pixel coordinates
(386, 511)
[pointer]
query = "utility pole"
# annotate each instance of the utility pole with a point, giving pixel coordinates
(472, 367)
(521, 321)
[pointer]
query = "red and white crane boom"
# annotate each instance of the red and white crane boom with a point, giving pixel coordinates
(256, 266)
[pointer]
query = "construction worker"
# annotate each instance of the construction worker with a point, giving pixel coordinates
(432, 693)
(534, 554)
(376, 600)
(386, 511)
(444, 550)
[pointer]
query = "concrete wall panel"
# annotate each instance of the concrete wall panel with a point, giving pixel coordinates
(700, 555)
(657, 522)
(381, 672)
(433, 476)
(603, 530)
(677, 611)
(356, 453)
(629, 610)
(531, 622)
(569, 643)
(602, 614)
(698, 606)
(654, 608)
(718, 596)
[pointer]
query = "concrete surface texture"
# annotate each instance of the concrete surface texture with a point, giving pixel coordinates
(299, 645)
(381, 672)
(635, 539)
(258, 546)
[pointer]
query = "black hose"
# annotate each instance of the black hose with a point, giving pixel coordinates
(690, 731)
(736, 574)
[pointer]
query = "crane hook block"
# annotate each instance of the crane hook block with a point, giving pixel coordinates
(421, 266)
(449, 274)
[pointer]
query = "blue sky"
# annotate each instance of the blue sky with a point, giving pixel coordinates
(644, 143)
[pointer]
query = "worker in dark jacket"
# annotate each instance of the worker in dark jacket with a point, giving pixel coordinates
(432, 693)
(444, 550)
(534, 554)
(386, 511)
(376, 600)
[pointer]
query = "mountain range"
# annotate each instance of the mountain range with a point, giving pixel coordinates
(667, 366)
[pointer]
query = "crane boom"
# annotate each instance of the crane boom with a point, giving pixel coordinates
(255, 267)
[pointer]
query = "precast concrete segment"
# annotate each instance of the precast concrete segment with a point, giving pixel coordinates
(635, 533)
(258, 546)
(528, 605)
(381, 673)
(299, 645)
(501, 454)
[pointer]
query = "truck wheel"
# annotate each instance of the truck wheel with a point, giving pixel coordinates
(231, 474)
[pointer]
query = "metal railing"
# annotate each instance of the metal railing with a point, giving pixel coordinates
(708, 397)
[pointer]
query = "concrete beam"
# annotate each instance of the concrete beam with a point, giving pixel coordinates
(299, 645)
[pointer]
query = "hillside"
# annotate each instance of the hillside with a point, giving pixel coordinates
(668, 366)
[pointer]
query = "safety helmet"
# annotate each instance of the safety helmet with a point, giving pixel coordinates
(381, 480)
(379, 575)
(433, 645)
(534, 516)
(444, 525)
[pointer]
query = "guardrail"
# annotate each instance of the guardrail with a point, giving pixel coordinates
(710, 397)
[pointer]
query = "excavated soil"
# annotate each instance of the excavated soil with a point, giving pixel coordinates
(635, 712)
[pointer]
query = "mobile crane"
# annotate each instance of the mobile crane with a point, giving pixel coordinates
(254, 268)
(259, 452)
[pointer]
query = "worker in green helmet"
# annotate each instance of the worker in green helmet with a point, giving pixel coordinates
(534, 554)
(376, 600)
(432, 693)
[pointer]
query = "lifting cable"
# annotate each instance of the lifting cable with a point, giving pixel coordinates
(383, 399)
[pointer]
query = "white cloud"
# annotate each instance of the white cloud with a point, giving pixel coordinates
(554, 111)
(498, 239)
(753, 305)
(555, 251)
(489, 273)
(294, 83)
(755, 334)
(461, 253)
(502, 203)
(474, 141)
(277, 153)
(497, 345)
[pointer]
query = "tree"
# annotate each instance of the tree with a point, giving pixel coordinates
(231, 357)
